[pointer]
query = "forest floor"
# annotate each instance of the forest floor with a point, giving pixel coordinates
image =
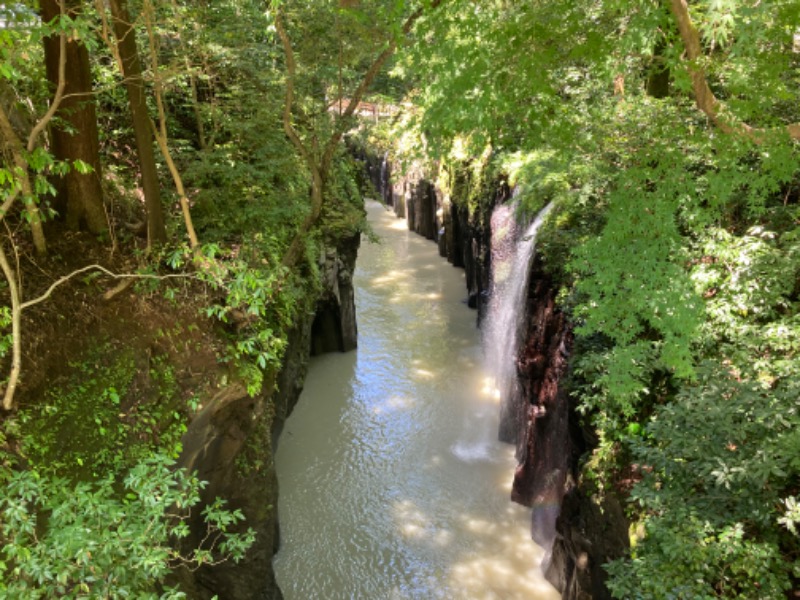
(124, 364)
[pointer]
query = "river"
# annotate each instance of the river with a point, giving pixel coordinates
(392, 485)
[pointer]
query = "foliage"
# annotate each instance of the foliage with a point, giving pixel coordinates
(93, 503)
(97, 539)
(98, 423)
(722, 460)
(95, 506)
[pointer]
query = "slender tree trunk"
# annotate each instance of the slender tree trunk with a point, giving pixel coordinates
(134, 84)
(16, 326)
(78, 139)
(160, 129)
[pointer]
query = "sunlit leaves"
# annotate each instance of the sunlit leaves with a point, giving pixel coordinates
(676, 244)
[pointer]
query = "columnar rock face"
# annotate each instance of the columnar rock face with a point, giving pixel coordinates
(422, 207)
(378, 170)
(589, 534)
(463, 237)
(542, 416)
(231, 442)
(334, 328)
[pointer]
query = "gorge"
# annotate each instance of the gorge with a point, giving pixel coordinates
(182, 188)
(392, 481)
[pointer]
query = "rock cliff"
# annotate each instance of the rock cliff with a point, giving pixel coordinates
(231, 442)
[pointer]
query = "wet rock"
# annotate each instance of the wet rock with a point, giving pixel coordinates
(334, 328)
(541, 417)
(590, 533)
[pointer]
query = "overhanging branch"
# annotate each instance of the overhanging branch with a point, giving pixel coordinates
(704, 98)
(319, 165)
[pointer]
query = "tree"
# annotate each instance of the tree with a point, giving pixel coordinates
(75, 134)
(319, 156)
(131, 68)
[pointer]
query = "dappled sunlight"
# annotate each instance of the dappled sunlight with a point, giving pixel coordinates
(405, 448)
(394, 403)
(411, 521)
(399, 225)
(435, 461)
(423, 374)
(390, 278)
(507, 564)
(497, 578)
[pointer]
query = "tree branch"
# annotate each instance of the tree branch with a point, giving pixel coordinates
(59, 95)
(8, 134)
(703, 96)
(288, 102)
(160, 131)
(61, 281)
(366, 82)
(16, 323)
(17, 306)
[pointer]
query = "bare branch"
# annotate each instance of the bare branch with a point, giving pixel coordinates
(16, 320)
(61, 281)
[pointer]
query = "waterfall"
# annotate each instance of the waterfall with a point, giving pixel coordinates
(511, 257)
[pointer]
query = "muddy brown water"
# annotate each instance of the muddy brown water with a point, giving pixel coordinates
(391, 482)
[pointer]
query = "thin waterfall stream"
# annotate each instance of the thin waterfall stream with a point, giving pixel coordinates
(392, 481)
(512, 252)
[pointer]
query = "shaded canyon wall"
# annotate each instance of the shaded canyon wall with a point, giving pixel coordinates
(231, 442)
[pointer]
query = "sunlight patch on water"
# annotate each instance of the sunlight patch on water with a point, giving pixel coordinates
(423, 374)
(399, 224)
(394, 403)
(389, 278)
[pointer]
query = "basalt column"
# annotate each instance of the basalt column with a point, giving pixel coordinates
(543, 440)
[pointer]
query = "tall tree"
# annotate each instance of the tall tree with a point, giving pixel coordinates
(74, 133)
(130, 64)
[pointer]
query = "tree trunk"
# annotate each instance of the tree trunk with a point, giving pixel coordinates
(658, 75)
(134, 84)
(84, 195)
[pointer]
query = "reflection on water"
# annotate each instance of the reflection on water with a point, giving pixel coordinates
(391, 482)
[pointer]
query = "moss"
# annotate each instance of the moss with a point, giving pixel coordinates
(108, 413)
